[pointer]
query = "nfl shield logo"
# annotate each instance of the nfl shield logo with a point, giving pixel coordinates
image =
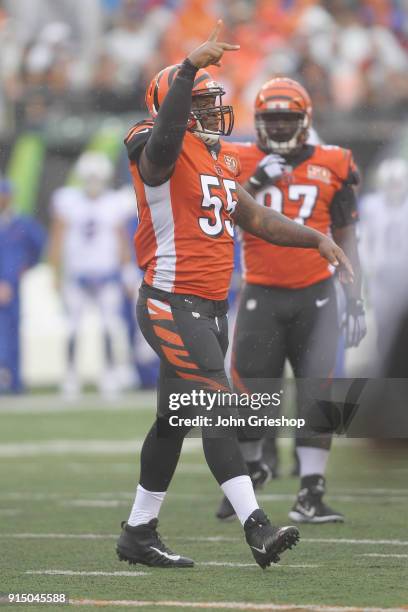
(231, 163)
(318, 173)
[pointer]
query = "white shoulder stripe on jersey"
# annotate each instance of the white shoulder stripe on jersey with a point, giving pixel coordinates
(159, 202)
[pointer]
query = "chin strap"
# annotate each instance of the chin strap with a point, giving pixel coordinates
(208, 139)
(284, 148)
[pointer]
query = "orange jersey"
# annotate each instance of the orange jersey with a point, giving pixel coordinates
(306, 194)
(184, 241)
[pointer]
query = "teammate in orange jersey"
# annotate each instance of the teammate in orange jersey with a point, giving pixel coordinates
(188, 200)
(288, 305)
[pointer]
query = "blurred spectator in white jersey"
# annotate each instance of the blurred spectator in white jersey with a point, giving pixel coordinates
(90, 252)
(384, 248)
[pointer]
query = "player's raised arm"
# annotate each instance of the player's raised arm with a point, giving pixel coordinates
(278, 229)
(164, 145)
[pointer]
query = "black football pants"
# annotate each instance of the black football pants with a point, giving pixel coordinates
(277, 324)
(190, 336)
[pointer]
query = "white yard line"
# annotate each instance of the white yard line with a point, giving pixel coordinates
(83, 467)
(373, 491)
(93, 503)
(111, 503)
(19, 496)
(116, 503)
(361, 498)
(61, 572)
(384, 555)
(202, 468)
(227, 605)
(54, 403)
(254, 565)
(58, 536)
(57, 572)
(355, 541)
(308, 540)
(81, 447)
(115, 499)
(62, 447)
(97, 536)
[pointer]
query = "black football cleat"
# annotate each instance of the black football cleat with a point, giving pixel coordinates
(309, 506)
(267, 542)
(142, 544)
(260, 474)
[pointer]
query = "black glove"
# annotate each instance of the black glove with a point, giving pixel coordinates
(269, 170)
(354, 326)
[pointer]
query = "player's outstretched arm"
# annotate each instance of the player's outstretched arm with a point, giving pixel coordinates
(278, 229)
(164, 145)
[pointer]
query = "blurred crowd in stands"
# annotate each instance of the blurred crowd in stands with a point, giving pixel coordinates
(97, 55)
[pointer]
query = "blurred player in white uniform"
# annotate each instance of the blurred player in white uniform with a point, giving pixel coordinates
(90, 253)
(384, 248)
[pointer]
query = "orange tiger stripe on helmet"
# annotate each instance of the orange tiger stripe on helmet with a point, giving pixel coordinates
(284, 94)
(161, 83)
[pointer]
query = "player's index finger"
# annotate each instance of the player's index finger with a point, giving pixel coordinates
(344, 260)
(214, 34)
(350, 270)
(346, 263)
(229, 47)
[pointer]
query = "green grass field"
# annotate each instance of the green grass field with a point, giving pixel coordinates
(68, 475)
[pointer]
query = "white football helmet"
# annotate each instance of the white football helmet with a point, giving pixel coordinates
(392, 180)
(95, 172)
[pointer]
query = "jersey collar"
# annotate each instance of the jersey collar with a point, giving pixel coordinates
(214, 150)
(304, 154)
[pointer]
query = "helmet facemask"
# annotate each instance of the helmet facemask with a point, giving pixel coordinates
(282, 132)
(209, 120)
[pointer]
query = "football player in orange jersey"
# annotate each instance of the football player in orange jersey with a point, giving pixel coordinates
(288, 305)
(188, 200)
